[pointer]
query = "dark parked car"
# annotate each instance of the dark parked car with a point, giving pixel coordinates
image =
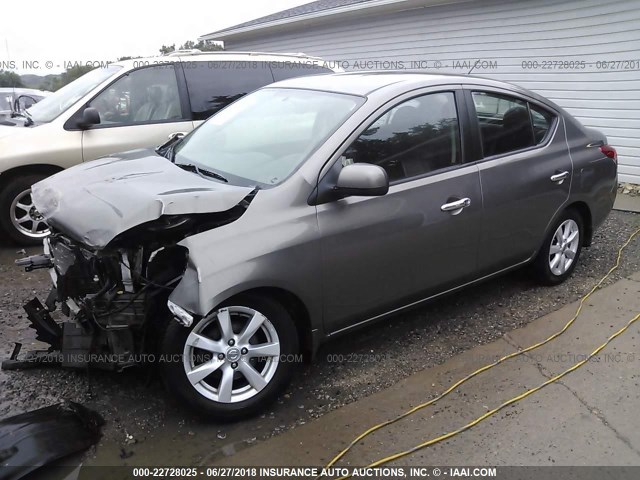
(309, 208)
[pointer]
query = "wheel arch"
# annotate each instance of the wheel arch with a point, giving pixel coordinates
(38, 168)
(582, 208)
(585, 212)
(298, 311)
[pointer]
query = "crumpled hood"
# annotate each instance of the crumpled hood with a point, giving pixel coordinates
(95, 201)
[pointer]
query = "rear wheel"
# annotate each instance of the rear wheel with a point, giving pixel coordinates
(561, 250)
(233, 362)
(19, 218)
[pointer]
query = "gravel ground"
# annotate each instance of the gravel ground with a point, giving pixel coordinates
(140, 416)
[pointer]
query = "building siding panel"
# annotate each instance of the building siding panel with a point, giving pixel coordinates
(507, 33)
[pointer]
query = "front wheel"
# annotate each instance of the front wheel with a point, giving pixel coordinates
(233, 362)
(561, 250)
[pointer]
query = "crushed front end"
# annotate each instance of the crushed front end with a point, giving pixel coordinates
(114, 254)
(115, 300)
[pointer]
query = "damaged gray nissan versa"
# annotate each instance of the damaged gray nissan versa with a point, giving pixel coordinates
(303, 210)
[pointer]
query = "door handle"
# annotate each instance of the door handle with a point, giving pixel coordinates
(457, 206)
(559, 177)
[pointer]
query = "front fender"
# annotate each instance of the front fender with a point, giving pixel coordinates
(267, 247)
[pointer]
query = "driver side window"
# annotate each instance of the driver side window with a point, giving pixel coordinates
(416, 137)
(148, 95)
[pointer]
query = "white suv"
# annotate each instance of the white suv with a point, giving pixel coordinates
(127, 105)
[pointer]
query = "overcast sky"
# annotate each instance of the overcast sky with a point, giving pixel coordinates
(81, 31)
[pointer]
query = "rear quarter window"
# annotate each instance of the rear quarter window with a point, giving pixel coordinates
(213, 85)
(542, 120)
(284, 70)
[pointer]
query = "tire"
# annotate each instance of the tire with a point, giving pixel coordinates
(556, 250)
(18, 192)
(205, 396)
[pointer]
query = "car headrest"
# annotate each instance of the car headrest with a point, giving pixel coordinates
(405, 118)
(516, 118)
(155, 93)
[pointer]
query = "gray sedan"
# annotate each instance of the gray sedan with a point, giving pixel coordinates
(309, 208)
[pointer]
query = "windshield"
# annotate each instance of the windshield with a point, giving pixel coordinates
(53, 105)
(265, 136)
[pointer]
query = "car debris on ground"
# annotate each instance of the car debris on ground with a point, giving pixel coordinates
(33, 439)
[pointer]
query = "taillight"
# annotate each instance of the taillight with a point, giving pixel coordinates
(610, 152)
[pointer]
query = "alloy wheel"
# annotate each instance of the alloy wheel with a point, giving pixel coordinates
(25, 218)
(564, 247)
(232, 354)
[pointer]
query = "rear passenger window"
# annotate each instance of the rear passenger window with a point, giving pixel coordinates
(505, 125)
(541, 123)
(213, 85)
(508, 124)
(418, 136)
(284, 70)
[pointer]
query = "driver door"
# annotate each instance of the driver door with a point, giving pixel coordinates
(139, 110)
(380, 253)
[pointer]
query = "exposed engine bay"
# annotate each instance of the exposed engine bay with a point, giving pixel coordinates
(115, 298)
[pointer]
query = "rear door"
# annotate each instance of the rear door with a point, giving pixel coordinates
(139, 110)
(525, 172)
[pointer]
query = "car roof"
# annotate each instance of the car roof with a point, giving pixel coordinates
(365, 83)
(22, 90)
(230, 56)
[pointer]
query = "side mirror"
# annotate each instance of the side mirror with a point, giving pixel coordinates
(362, 179)
(176, 135)
(23, 102)
(173, 138)
(90, 116)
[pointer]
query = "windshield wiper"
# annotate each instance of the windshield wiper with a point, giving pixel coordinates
(201, 171)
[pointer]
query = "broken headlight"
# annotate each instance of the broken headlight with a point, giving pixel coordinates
(180, 314)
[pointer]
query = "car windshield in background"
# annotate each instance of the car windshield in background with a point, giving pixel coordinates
(265, 136)
(53, 105)
(5, 102)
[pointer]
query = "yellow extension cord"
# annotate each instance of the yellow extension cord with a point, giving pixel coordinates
(513, 400)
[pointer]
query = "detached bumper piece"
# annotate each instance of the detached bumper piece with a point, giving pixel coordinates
(47, 331)
(32, 359)
(33, 439)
